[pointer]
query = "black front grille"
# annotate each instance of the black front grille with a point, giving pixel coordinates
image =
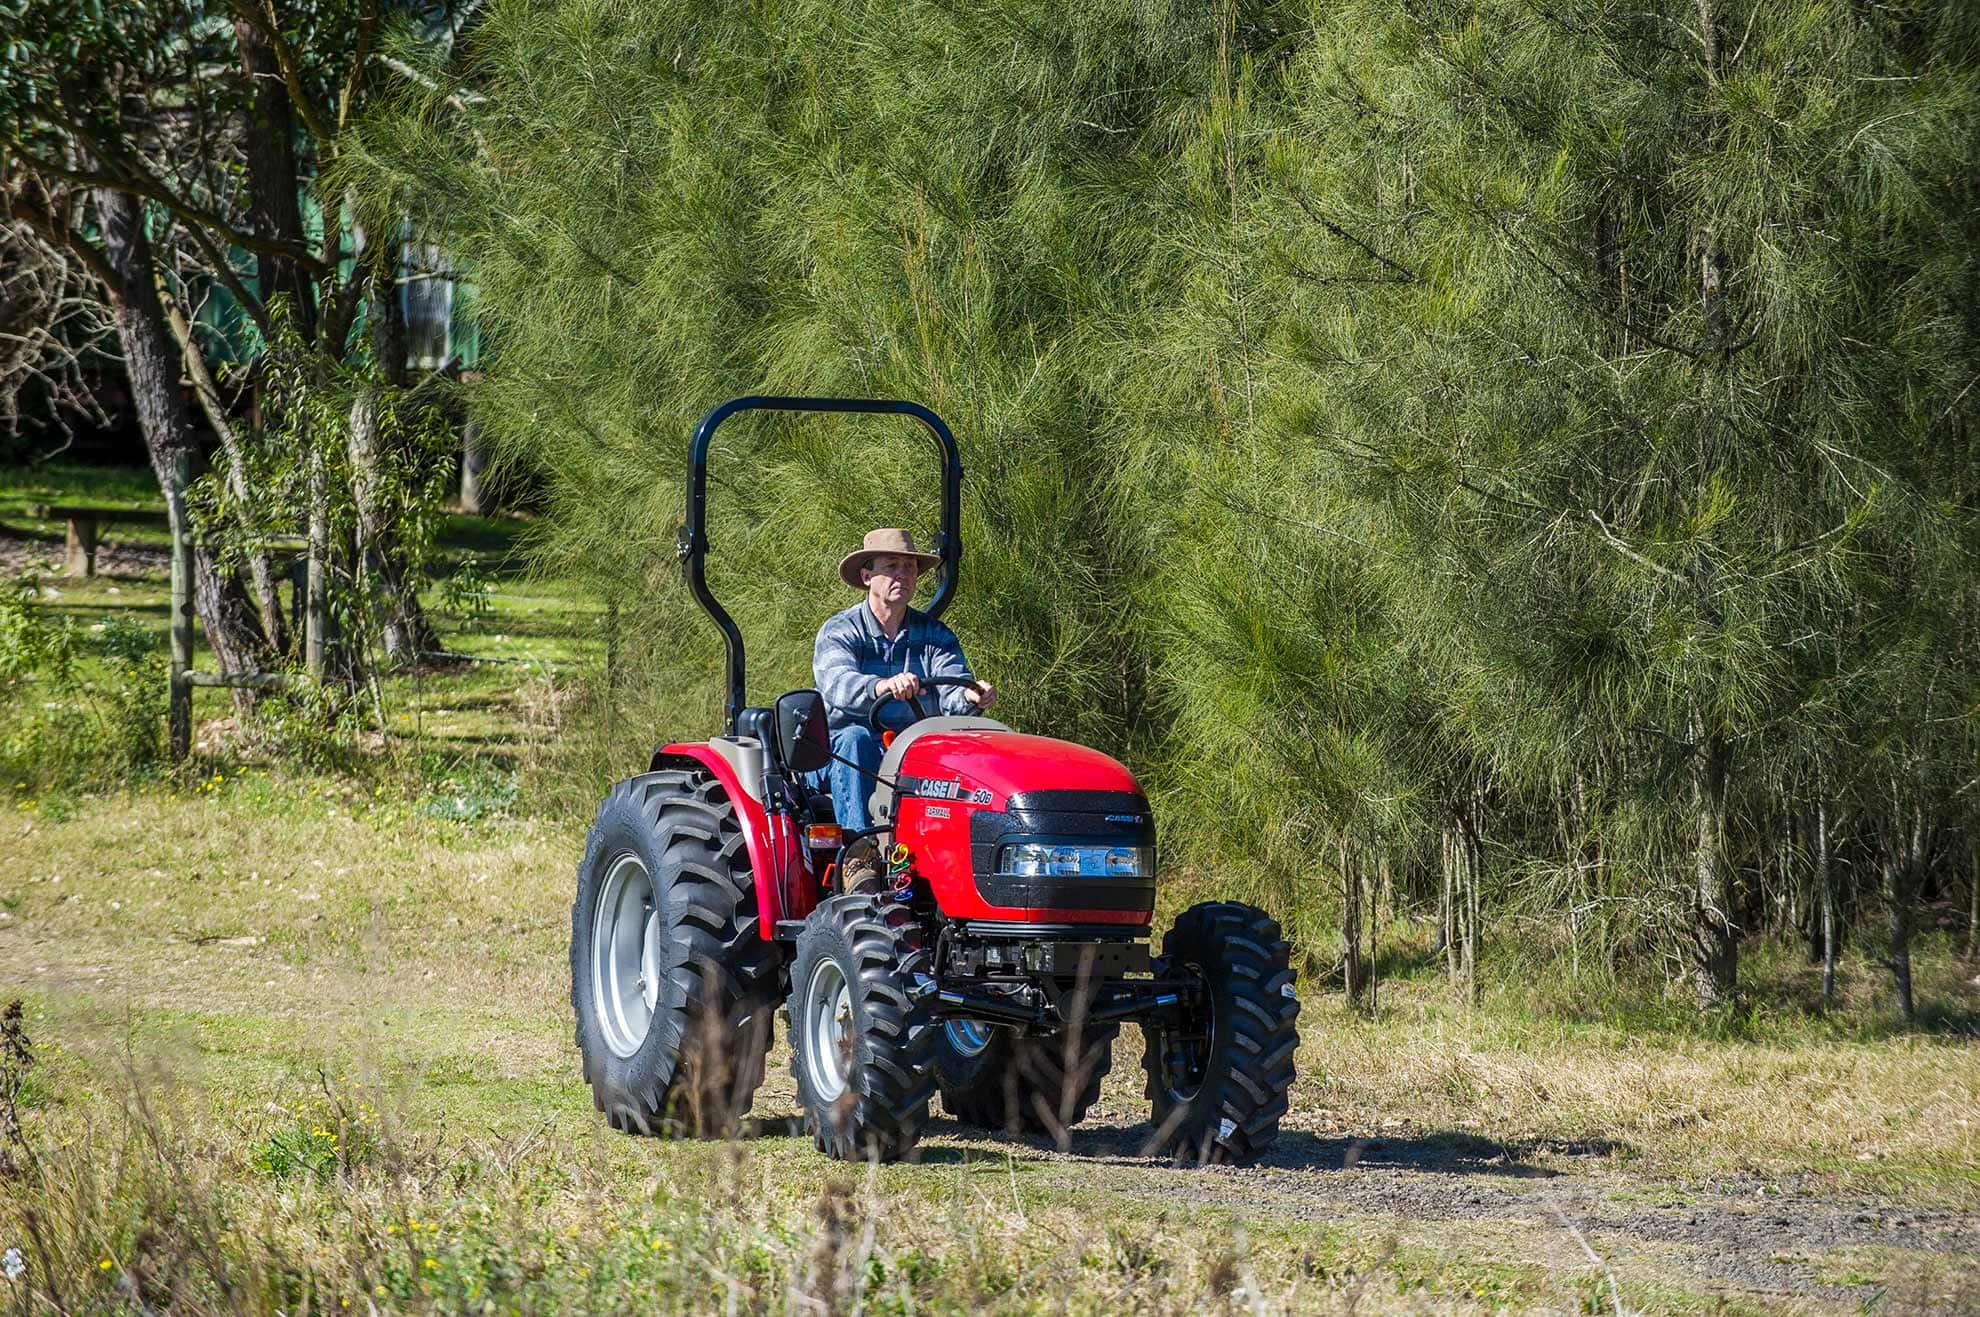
(1114, 818)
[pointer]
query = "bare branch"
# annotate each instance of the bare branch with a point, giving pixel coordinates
(62, 237)
(204, 387)
(367, 31)
(1402, 272)
(140, 182)
(1616, 543)
(223, 270)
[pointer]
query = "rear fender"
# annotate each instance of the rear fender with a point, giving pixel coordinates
(777, 857)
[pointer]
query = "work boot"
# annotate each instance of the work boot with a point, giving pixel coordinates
(859, 866)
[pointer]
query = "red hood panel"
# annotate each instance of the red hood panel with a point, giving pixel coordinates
(1005, 763)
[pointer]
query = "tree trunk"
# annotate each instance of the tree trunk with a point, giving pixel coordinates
(151, 363)
(316, 625)
(274, 192)
(1901, 875)
(1378, 883)
(1473, 868)
(475, 497)
(1351, 967)
(383, 576)
(403, 629)
(1589, 869)
(1825, 885)
(1973, 898)
(1715, 941)
(1788, 897)
(1715, 944)
(1446, 908)
(261, 571)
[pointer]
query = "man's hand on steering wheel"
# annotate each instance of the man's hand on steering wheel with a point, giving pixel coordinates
(902, 686)
(905, 686)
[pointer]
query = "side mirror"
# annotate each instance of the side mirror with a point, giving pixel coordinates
(803, 742)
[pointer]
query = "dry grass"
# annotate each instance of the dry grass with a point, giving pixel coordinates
(1896, 1113)
(216, 972)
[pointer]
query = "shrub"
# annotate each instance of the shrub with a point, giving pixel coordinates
(82, 705)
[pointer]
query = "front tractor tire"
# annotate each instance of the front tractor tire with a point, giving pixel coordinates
(860, 1041)
(672, 981)
(1220, 1076)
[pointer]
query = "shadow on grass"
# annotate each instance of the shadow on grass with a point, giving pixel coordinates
(94, 610)
(487, 745)
(496, 542)
(1441, 1153)
(1758, 1019)
(1408, 960)
(1937, 1021)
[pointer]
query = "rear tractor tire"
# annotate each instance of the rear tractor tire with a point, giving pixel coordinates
(1219, 1083)
(672, 981)
(860, 1041)
(996, 1079)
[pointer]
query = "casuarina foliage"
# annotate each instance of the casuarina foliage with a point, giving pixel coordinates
(1511, 463)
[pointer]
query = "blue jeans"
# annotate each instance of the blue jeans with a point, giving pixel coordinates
(850, 788)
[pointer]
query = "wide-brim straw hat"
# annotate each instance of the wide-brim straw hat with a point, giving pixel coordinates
(888, 540)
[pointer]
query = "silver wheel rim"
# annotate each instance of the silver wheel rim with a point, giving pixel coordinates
(828, 1029)
(968, 1037)
(625, 959)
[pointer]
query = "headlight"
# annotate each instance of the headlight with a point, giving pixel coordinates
(1039, 859)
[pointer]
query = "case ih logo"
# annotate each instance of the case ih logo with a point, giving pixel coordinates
(929, 788)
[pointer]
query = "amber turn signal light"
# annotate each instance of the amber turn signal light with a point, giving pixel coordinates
(824, 836)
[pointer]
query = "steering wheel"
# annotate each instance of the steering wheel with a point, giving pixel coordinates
(927, 683)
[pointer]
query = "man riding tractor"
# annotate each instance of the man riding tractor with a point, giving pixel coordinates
(995, 958)
(875, 656)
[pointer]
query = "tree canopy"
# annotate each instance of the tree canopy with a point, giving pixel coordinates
(1496, 456)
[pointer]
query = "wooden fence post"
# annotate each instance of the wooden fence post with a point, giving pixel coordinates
(79, 547)
(179, 721)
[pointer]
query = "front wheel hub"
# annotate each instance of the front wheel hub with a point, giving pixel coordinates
(625, 952)
(829, 1032)
(968, 1037)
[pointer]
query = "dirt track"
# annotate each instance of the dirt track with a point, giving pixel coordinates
(1789, 1243)
(1742, 1237)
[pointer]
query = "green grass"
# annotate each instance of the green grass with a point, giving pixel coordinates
(318, 1025)
(72, 482)
(531, 632)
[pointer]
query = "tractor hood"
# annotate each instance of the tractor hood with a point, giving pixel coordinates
(973, 794)
(987, 765)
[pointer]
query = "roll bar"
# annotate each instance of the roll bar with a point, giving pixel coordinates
(691, 542)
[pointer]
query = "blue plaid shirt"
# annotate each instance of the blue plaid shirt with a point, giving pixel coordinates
(853, 653)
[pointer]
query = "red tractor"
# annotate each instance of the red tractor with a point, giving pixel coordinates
(994, 961)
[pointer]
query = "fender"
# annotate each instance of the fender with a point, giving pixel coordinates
(776, 857)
